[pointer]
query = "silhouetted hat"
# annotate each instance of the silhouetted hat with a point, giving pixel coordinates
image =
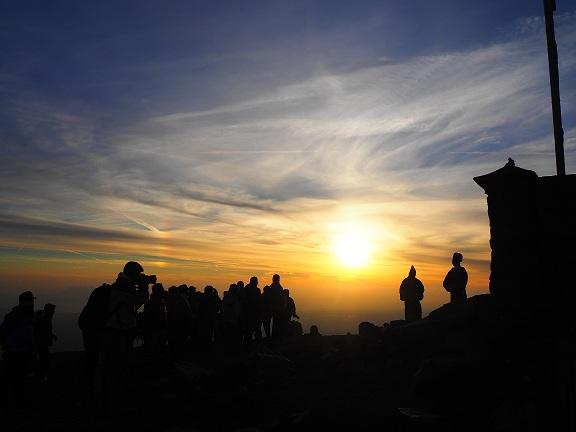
(132, 268)
(26, 295)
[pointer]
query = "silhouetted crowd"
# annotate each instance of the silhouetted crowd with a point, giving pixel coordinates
(185, 319)
(180, 321)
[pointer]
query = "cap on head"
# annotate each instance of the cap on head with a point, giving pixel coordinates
(132, 268)
(26, 296)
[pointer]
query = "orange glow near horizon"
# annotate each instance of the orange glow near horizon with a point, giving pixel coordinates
(339, 272)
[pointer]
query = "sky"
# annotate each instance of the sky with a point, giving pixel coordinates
(216, 140)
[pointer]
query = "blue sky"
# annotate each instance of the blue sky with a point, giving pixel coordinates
(200, 129)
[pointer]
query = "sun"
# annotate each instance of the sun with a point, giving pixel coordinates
(352, 248)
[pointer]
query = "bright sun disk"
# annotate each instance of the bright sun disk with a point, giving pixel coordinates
(352, 248)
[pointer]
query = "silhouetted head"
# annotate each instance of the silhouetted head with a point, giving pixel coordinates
(240, 284)
(191, 289)
(314, 330)
(232, 289)
(457, 259)
(266, 289)
(208, 289)
(412, 272)
(158, 289)
(49, 309)
(254, 281)
(132, 269)
(286, 292)
(276, 278)
(26, 300)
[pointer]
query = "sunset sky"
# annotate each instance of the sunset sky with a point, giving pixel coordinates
(216, 140)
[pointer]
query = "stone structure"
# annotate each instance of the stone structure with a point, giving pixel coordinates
(532, 236)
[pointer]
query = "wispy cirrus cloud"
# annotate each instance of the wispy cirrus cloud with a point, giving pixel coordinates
(393, 144)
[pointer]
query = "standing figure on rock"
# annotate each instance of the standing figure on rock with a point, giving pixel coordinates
(456, 280)
(411, 292)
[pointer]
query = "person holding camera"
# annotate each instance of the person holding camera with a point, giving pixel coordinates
(127, 295)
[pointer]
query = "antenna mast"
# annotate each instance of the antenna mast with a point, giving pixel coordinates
(549, 8)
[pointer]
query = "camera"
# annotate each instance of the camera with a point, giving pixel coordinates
(146, 279)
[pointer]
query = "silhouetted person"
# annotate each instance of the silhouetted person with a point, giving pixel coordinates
(44, 340)
(290, 306)
(92, 321)
(267, 311)
(290, 327)
(127, 294)
(314, 332)
(155, 320)
(456, 280)
(277, 306)
(231, 312)
(19, 345)
(194, 300)
(208, 315)
(179, 321)
(411, 292)
(252, 311)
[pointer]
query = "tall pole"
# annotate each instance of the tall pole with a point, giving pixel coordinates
(549, 8)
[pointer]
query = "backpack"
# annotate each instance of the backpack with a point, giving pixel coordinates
(95, 313)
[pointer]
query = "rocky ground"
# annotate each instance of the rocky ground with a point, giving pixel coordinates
(458, 370)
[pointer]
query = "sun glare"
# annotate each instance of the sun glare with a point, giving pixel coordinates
(352, 248)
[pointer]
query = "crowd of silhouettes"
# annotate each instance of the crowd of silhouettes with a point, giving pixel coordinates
(412, 289)
(181, 321)
(184, 319)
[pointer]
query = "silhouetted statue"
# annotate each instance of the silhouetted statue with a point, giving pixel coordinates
(19, 345)
(252, 311)
(127, 294)
(411, 292)
(267, 311)
(456, 280)
(44, 340)
(155, 320)
(277, 307)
